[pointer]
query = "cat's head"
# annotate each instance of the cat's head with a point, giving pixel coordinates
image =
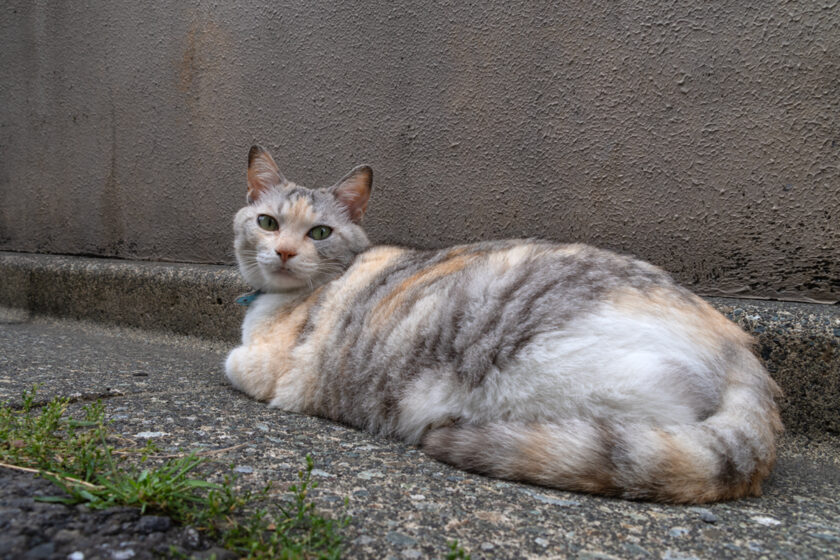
(290, 237)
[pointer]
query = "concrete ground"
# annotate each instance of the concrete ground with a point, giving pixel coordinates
(404, 504)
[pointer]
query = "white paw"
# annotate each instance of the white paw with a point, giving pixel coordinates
(248, 368)
(233, 366)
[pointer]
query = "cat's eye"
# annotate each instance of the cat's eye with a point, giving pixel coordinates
(267, 222)
(319, 232)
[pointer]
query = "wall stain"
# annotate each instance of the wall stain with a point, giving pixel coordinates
(188, 63)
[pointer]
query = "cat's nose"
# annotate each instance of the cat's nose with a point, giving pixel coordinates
(285, 254)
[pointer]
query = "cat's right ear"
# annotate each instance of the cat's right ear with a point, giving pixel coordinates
(263, 173)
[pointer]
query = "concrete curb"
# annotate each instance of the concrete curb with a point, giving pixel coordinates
(188, 299)
(799, 343)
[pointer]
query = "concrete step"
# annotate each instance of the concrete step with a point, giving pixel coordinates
(799, 343)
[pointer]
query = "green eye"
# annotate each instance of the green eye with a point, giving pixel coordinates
(267, 222)
(319, 232)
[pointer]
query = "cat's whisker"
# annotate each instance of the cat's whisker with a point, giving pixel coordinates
(323, 269)
(326, 267)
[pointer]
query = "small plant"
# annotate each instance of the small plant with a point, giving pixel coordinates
(166, 489)
(50, 442)
(295, 530)
(76, 456)
(456, 552)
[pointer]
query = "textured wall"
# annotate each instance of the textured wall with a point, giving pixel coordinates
(703, 137)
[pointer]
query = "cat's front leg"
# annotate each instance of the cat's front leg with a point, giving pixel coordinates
(249, 369)
(265, 372)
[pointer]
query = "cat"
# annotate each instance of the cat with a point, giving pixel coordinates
(560, 365)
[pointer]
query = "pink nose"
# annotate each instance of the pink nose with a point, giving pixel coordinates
(285, 254)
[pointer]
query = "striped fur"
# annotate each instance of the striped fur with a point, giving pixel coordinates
(561, 365)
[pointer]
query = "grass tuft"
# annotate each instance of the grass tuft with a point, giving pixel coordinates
(49, 441)
(456, 552)
(76, 456)
(293, 530)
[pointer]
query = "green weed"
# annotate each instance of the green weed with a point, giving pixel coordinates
(50, 442)
(76, 456)
(286, 531)
(456, 552)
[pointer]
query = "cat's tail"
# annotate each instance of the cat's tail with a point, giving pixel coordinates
(725, 456)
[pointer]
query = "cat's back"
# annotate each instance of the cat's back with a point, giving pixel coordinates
(490, 299)
(390, 273)
(501, 310)
(515, 280)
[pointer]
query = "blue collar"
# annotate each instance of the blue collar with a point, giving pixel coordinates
(248, 299)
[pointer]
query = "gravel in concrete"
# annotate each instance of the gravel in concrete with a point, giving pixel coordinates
(403, 504)
(38, 530)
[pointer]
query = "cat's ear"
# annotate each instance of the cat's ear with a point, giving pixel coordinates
(263, 173)
(353, 191)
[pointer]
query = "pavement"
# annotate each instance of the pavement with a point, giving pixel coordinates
(167, 386)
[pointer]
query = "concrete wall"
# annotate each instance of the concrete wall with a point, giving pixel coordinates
(704, 137)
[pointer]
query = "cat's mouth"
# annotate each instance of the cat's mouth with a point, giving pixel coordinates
(282, 272)
(282, 278)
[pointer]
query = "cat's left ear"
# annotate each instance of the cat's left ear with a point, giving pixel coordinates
(353, 191)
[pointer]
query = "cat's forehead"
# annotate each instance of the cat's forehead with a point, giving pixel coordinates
(295, 202)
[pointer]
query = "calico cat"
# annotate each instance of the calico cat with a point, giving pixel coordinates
(560, 365)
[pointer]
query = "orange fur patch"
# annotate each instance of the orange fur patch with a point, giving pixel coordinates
(343, 292)
(370, 263)
(300, 211)
(390, 303)
(286, 328)
(683, 479)
(585, 470)
(534, 458)
(283, 333)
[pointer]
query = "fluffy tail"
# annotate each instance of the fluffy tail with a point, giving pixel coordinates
(725, 456)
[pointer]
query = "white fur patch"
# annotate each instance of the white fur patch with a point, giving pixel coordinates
(605, 365)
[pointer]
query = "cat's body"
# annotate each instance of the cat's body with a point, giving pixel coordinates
(562, 365)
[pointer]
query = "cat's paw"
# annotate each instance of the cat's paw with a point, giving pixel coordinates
(247, 369)
(233, 367)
